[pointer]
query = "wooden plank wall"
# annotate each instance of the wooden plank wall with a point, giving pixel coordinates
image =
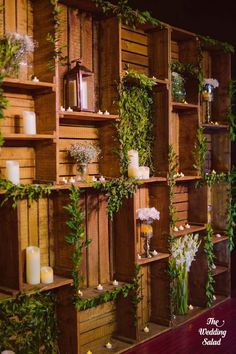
(134, 49)
(181, 204)
(96, 265)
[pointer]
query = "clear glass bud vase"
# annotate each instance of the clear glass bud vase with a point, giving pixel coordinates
(147, 234)
(181, 293)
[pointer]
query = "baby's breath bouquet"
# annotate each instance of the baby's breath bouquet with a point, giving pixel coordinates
(183, 251)
(14, 48)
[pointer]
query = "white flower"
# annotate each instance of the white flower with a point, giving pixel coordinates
(84, 152)
(212, 82)
(148, 214)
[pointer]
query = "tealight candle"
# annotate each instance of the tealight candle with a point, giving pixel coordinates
(154, 253)
(33, 265)
(214, 297)
(62, 109)
(99, 287)
(139, 257)
(13, 171)
(187, 226)
(190, 307)
(213, 266)
(146, 329)
(181, 174)
(99, 112)
(108, 345)
(80, 293)
(35, 79)
(181, 228)
(94, 179)
(89, 352)
(102, 179)
(29, 122)
(115, 283)
(218, 235)
(106, 113)
(46, 274)
(64, 180)
(69, 109)
(72, 180)
(176, 228)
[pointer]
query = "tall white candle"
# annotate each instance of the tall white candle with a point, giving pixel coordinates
(84, 95)
(32, 265)
(13, 171)
(46, 275)
(29, 122)
(133, 158)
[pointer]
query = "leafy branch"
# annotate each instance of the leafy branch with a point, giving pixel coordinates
(3, 105)
(231, 115)
(17, 192)
(206, 40)
(116, 190)
(200, 150)
(212, 178)
(126, 14)
(171, 181)
(231, 215)
(76, 237)
(208, 248)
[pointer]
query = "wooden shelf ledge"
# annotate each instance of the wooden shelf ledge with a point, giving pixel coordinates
(58, 282)
(176, 106)
(194, 228)
(216, 239)
(88, 116)
(219, 270)
(213, 128)
(29, 137)
(153, 259)
(92, 292)
(28, 85)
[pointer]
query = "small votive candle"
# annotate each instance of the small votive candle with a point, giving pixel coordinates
(99, 112)
(64, 180)
(181, 228)
(106, 113)
(89, 352)
(108, 345)
(69, 109)
(190, 307)
(80, 293)
(102, 179)
(99, 287)
(176, 228)
(154, 253)
(144, 172)
(13, 171)
(72, 180)
(146, 329)
(133, 171)
(187, 226)
(46, 275)
(62, 109)
(115, 283)
(33, 265)
(29, 122)
(218, 235)
(35, 79)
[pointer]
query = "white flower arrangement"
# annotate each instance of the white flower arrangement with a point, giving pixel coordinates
(213, 82)
(148, 214)
(84, 152)
(183, 251)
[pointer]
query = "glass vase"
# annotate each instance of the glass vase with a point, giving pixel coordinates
(207, 95)
(181, 293)
(82, 170)
(147, 234)
(178, 88)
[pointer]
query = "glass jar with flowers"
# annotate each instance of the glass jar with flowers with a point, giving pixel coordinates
(83, 153)
(183, 251)
(14, 50)
(146, 217)
(207, 94)
(178, 88)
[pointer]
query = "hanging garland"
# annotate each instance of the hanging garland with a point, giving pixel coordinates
(28, 324)
(231, 215)
(200, 150)
(208, 248)
(135, 128)
(231, 115)
(208, 41)
(171, 181)
(3, 105)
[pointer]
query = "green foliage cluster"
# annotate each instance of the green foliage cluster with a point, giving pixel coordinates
(231, 215)
(28, 324)
(208, 248)
(200, 150)
(55, 38)
(16, 192)
(3, 105)
(116, 190)
(135, 128)
(231, 115)
(76, 237)
(212, 178)
(208, 41)
(126, 14)
(184, 69)
(171, 180)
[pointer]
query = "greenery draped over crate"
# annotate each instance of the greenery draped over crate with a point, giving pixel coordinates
(208, 248)
(28, 324)
(171, 180)
(135, 128)
(231, 114)
(200, 150)
(231, 215)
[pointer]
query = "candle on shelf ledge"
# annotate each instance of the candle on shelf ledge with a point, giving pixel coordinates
(218, 235)
(181, 228)
(146, 329)
(35, 79)
(33, 265)
(102, 179)
(213, 266)
(115, 283)
(99, 287)
(133, 158)
(106, 113)
(154, 253)
(176, 228)
(214, 297)
(94, 179)
(29, 122)
(72, 180)
(62, 109)
(78, 178)
(46, 275)
(64, 180)
(80, 293)
(190, 307)
(133, 171)
(89, 352)
(99, 112)
(138, 256)
(187, 226)
(13, 171)
(108, 345)
(69, 109)
(144, 172)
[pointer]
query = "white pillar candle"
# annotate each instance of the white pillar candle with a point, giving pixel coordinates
(144, 172)
(133, 171)
(13, 171)
(32, 265)
(7, 352)
(84, 95)
(29, 122)
(133, 158)
(46, 275)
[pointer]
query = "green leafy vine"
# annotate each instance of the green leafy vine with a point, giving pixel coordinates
(212, 178)
(208, 248)
(231, 215)
(200, 150)
(3, 105)
(126, 14)
(28, 324)
(17, 192)
(171, 181)
(208, 41)
(231, 115)
(76, 237)
(135, 128)
(116, 190)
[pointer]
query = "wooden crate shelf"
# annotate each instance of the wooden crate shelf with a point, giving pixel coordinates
(219, 270)
(193, 229)
(28, 86)
(176, 106)
(156, 258)
(88, 117)
(89, 293)
(216, 239)
(215, 128)
(29, 137)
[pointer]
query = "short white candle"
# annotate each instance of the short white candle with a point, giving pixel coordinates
(102, 179)
(106, 113)
(154, 253)
(32, 265)
(99, 287)
(181, 228)
(144, 172)
(115, 283)
(108, 345)
(72, 180)
(133, 171)
(99, 112)
(13, 171)
(176, 228)
(146, 329)
(190, 307)
(46, 275)
(29, 122)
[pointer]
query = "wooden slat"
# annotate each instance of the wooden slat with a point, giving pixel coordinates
(134, 36)
(33, 224)
(23, 230)
(78, 132)
(103, 240)
(134, 58)
(43, 231)
(134, 47)
(63, 43)
(21, 24)
(10, 19)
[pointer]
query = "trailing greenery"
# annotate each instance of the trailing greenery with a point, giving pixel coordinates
(206, 40)
(126, 14)
(55, 38)
(16, 192)
(116, 190)
(208, 248)
(137, 290)
(231, 215)
(212, 178)
(76, 237)
(3, 105)
(200, 150)
(231, 114)
(171, 180)
(28, 324)
(135, 128)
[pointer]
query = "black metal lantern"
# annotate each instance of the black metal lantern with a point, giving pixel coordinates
(79, 88)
